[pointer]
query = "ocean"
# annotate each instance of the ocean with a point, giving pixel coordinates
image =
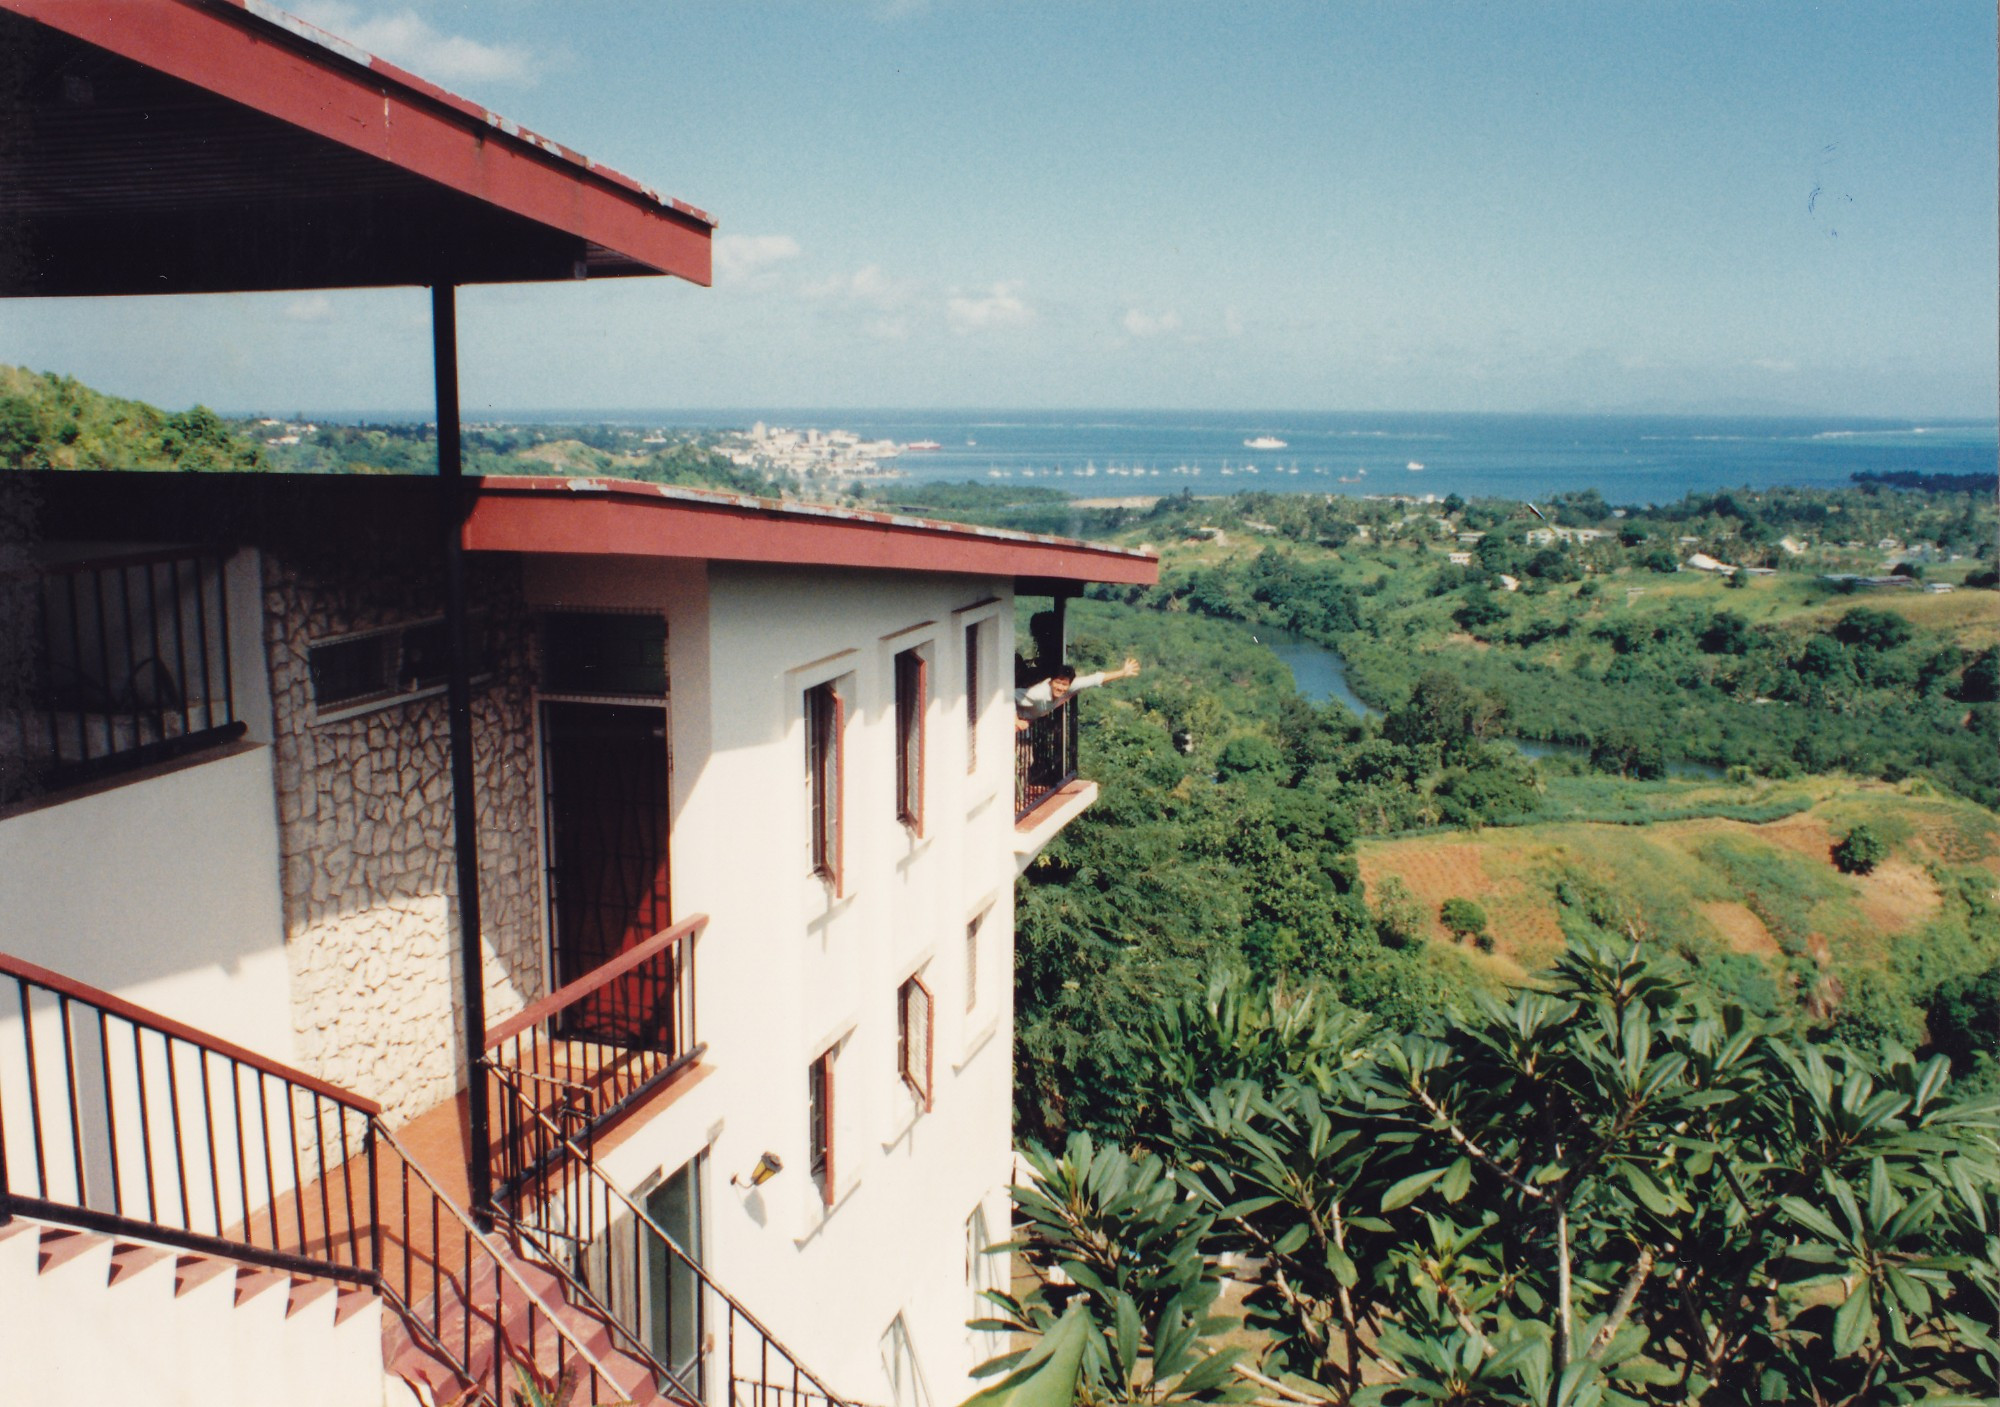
(1628, 459)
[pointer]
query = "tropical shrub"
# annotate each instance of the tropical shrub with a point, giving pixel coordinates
(1604, 1190)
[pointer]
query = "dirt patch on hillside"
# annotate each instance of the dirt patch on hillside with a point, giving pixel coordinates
(1897, 896)
(1741, 928)
(1520, 917)
(1804, 834)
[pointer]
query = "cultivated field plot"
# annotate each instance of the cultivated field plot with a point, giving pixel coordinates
(1716, 884)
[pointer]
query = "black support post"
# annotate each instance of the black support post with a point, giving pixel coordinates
(458, 693)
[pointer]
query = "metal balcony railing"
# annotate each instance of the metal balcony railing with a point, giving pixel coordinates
(591, 1049)
(1045, 756)
(130, 665)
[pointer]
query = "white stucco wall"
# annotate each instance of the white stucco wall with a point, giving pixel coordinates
(786, 968)
(69, 1339)
(164, 891)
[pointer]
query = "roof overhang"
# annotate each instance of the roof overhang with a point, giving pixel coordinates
(612, 517)
(397, 515)
(202, 146)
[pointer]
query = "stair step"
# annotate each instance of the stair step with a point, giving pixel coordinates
(350, 1300)
(60, 1246)
(305, 1292)
(128, 1258)
(252, 1281)
(191, 1272)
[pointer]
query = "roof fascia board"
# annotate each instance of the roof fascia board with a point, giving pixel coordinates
(342, 95)
(596, 524)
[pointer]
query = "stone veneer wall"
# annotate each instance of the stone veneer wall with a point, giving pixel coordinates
(365, 834)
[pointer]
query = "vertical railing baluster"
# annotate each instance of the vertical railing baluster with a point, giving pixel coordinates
(221, 636)
(173, 566)
(346, 1190)
(180, 1145)
(298, 1184)
(325, 1173)
(270, 1171)
(34, 1089)
(145, 1120)
(208, 1139)
(374, 1205)
(76, 655)
(242, 1138)
(110, 1113)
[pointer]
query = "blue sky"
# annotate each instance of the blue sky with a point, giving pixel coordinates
(1175, 204)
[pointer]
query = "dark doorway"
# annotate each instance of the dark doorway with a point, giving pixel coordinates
(605, 768)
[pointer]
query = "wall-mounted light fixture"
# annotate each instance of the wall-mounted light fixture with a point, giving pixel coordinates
(768, 1167)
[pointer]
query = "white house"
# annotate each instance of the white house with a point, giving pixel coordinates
(446, 920)
(787, 727)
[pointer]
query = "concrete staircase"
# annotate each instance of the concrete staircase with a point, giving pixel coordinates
(502, 1305)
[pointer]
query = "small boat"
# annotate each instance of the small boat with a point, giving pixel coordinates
(923, 444)
(1414, 465)
(1265, 442)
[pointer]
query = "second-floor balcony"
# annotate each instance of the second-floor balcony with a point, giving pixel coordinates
(128, 664)
(591, 1050)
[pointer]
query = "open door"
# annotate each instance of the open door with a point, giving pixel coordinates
(605, 770)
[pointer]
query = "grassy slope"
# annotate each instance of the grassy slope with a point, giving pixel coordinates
(1768, 891)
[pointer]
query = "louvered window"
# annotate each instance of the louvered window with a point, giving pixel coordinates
(912, 700)
(914, 1043)
(825, 722)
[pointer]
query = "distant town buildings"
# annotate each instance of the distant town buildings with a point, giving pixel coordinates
(811, 454)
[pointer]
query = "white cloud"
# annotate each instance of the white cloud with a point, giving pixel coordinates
(867, 284)
(1140, 323)
(316, 307)
(407, 39)
(1001, 306)
(751, 260)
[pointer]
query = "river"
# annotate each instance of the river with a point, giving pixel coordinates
(1321, 674)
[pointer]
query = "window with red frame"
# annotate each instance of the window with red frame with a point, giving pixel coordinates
(914, 1043)
(825, 722)
(819, 1124)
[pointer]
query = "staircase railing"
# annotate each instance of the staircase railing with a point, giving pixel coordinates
(119, 1120)
(468, 1303)
(594, 1047)
(664, 1307)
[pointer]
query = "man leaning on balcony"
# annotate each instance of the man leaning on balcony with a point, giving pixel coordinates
(1040, 698)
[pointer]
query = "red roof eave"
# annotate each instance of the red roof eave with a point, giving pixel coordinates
(609, 517)
(252, 53)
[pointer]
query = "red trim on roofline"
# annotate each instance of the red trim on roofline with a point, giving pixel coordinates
(613, 517)
(250, 52)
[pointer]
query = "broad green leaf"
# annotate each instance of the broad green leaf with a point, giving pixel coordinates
(1410, 1188)
(1457, 1180)
(1853, 1321)
(1047, 1377)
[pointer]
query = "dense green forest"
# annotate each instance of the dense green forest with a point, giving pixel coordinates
(1225, 837)
(55, 422)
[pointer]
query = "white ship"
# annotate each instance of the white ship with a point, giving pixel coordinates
(1414, 464)
(1265, 442)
